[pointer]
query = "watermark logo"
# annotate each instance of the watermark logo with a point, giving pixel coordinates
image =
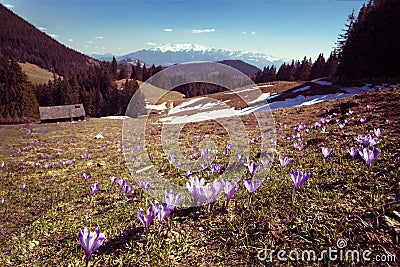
(340, 253)
(138, 148)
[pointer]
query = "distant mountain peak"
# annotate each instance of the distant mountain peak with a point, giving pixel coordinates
(169, 54)
(180, 47)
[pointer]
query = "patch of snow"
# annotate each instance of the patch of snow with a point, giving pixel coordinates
(262, 97)
(323, 82)
(300, 100)
(181, 107)
(162, 106)
(305, 88)
(201, 116)
(115, 117)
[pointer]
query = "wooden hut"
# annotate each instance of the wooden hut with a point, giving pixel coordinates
(62, 113)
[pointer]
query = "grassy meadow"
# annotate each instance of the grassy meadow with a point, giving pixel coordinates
(45, 199)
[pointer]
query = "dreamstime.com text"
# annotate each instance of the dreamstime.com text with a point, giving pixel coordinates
(335, 254)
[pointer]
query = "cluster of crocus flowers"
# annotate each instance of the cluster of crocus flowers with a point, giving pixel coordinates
(367, 140)
(144, 184)
(206, 193)
(90, 241)
(123, 184)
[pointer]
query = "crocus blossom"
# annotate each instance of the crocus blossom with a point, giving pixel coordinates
(144, 184)
(367, 140)
(194, 185)
(162, 211)
(251, 186)
(147, 217)
(91, 241)
(230, 188)
(94, 188)
(298, 178)
(369, 155)
(86, 176)
(114, 179)
(326, 151)
(377, 131)
(353, 151)
(173, 200)
(284, 161)
(298, 146)
(3, 164)
(253, 167)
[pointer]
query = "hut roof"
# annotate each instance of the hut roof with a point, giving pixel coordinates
(61, 112)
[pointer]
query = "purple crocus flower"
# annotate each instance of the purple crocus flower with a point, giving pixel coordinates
(36, 164)
(229, 146)
(91, 241)
(122, 183)
(194, 186)
(284, 161)
(362, 120)
(251, 186)
(94, 188)
(298, 146)
(367, 140)
(230, 188)
(369, 155)
(113, 179)
(23, 167)
(144, 184)
(378, 132)
(3, 201)
(162, 211)
(173, 200)
(86, 176)
(24, 186)
(215, 168)
(253, 167)
(353, 151)
(128, 189)
(326, 151)
(147, 217)
(3, 164)
(299, 178)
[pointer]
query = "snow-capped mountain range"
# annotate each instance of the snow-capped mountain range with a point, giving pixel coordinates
(169, 54)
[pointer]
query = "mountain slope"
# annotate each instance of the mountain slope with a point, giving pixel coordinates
(22, 41)
(170, 54)
(241, 66)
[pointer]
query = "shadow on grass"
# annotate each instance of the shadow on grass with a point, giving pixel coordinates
(117, 244)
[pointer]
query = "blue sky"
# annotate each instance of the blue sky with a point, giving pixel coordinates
(285, 28)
